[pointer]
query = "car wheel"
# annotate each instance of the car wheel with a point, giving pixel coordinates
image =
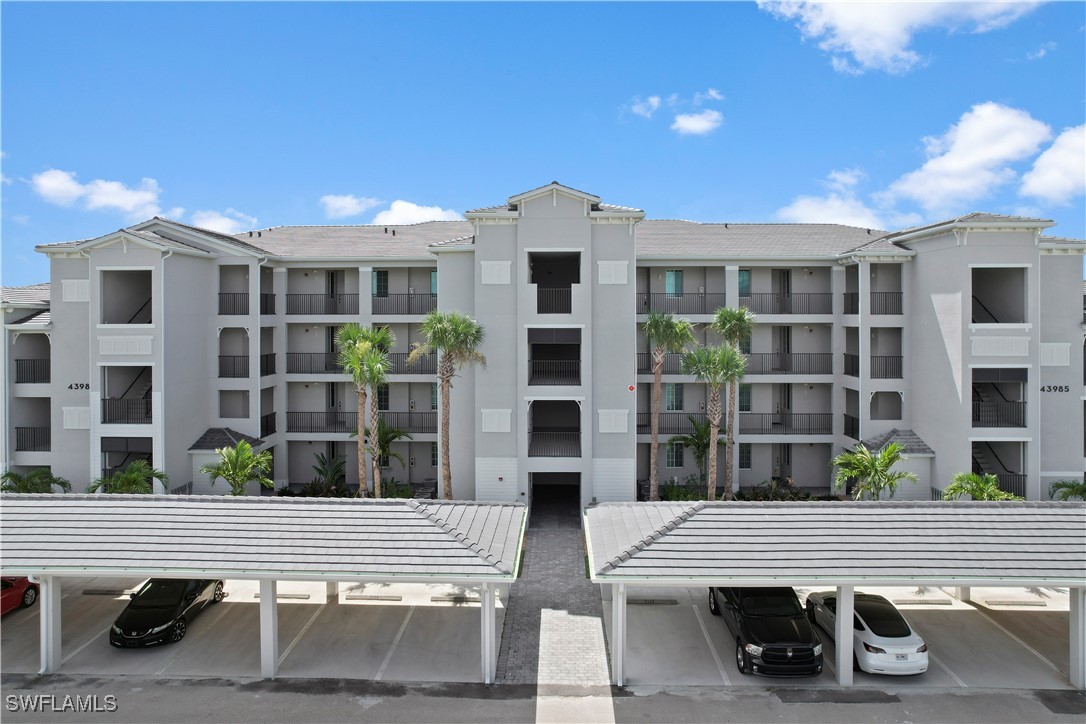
(741, 660)
(178, 631)
(218, 595)
(30, 595)
(714, 607)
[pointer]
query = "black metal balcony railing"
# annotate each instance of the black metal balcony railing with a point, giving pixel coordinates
(554, 444)
(330, 421)
(426, 365)
(126, 412)
(233, 365)
(671, 423)
(32, 439)
(267, 424)
(554, 372)
(852, 302)
(886, 367)
(852, 364)
(554, 301)
(267, 303)
(313, 363)
(423, 422)
(999, 414)
(685, 303)
(785, 423)
(267, 364)
(852, 427)
(404, 303)
(886, 302)
(672, 363)
(792, 363)
(233, 303)
(322, 304)
(1013, 483)
(796, 303)
(31, 370)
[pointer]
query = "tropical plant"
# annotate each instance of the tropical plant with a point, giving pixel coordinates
(674, 492)
(872, 471)
(665, 333)
(331, 471)
(395, 489)
(135, 479)
(355, 344)
(38, 480)
(716, 367)
(775, 489)
(375, 368)
(239, 465)
(1068, 489)
(697, 441)
(386, 435)
(978, 486)
(734, 325)
(457, 337)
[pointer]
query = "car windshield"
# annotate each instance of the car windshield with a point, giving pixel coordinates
(771, 603)
(883, 619)
(159, 593)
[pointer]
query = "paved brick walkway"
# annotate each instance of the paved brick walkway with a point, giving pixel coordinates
(553, 631)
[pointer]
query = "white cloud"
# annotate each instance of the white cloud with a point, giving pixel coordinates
(1059, 174)
(405, 212)
(971, 159)
(1040, 52)
(839, 206)
(176, 213)
(710, 95)
(230, 221)
(341, 206)
(6, 180)
(697, 124)
(645, 108)
(21, 219)
(62, 189)
(861, 36)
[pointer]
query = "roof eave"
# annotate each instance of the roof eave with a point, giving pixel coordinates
(251, 575)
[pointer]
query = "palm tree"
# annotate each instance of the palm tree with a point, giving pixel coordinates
(978, 486)
(1068, 489)
(872, 471)
(698, 441)
(734, 325)
(458, 338)
(375, 369)
(38, 480)
(665, 333)
(331, 471)
(355, 342)
(135, 479)
(386, 435)
(716, 367)
(239, 465)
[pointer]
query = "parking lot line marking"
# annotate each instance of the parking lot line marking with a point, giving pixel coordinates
(946, 668)
(189, 640)
(712, 649)
(1026, 646)
(395, 642)
(90, 641)
(301, 633)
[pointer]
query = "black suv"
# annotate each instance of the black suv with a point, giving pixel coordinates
(772, 635)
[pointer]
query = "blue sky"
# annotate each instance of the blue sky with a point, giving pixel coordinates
(248, 115)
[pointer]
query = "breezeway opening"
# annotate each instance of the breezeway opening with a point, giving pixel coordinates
(556, 500)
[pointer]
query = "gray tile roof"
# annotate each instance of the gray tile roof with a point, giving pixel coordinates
(409, 240)
(37, 319)
(912, 442)
(31, 294)
(694, 239)
(253, 537)
(978, 217)
(220, 437)
(1027, 543)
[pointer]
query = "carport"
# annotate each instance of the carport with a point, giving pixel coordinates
(265, 539)
(838, 544)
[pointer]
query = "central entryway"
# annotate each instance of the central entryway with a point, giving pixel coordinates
(556, 500)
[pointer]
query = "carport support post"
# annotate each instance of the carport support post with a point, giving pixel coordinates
(269, 630)
(488, 622)
(842, 634)
(49, 605)
(1078, 638)
(331, 592)
(618, 633)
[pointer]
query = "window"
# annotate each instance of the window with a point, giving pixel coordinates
(744, 398)
(673, 280)
(383, 461)
(382, 397)
(673, 397)
(433, 454)
(744, 282)
(674, 455)
(433, 282)
(380, 283)
(433, 395)
(744, 345)
(744, 456)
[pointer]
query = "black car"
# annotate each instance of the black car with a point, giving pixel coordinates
(161, 610)
(772, 635)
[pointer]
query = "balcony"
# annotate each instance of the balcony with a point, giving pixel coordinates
(126, 411)
(886, 302)
(999, 414)
(554, 301)
(672, 363)
(852, 302)
(330, 421)
(426, 365)
(267, 424)
(886, 367)
(852, 426)
(554, 372)
(785, 423)
(554, 443)
(267, 303)
(336, 304)
(32, 439)
(799, 303)
(267, 364)
(31, 371)
(421, 422)
(404, 303)
(791, 363)
(233, 303)
(233, 365)
(671, 423)
(313, 363)
(852, 365)
(1013, 483)
(685, 303)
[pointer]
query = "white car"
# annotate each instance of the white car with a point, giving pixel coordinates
(883, 642)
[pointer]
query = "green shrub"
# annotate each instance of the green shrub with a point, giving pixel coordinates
(673, 492)
(393, 488)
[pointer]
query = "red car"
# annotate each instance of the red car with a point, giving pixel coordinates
(16, 593)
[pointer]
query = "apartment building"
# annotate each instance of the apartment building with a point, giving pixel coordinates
(961, 339)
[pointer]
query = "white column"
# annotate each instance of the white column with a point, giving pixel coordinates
(618, 634)
(49, 612)
(605, 591)
(1078, 638)
(269, 630)
(842, 635)
(332, 592)
(487, 621)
